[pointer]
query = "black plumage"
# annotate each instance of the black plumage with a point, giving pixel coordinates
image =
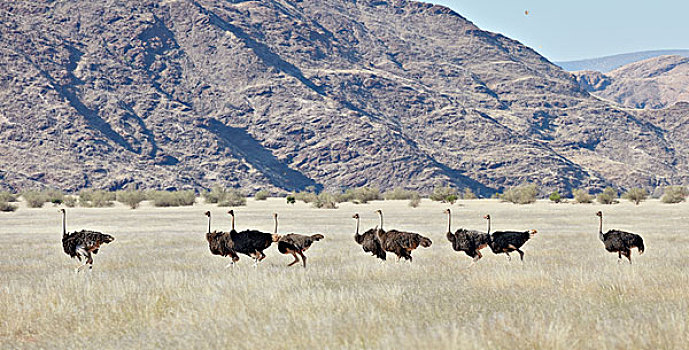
(251, 242)
(620, 242)
(400, 242)
(508, 241)
(82, 244)
(468, 241)
(220, 244)
(369, 240)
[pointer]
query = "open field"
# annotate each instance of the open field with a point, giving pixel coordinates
(158, 286)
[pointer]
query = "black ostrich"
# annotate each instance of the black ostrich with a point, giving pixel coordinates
(399, 242)
(468, 241)
(508, 241)
(369, 240)
(219, 242)
(295, 243)
(251, 243)
(82, 243)
(620, 241)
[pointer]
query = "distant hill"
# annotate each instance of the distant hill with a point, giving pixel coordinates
(608, 63)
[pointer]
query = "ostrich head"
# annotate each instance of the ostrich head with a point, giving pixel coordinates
(355, 216)
(208, 213)
(62, 211)
(532, 232)
(231, 212)
(108, 238)
(487, 216)
(599, 213)
(379, 211)
(446, 211)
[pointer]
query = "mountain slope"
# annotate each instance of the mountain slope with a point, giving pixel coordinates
(608, 63)
(285, 95)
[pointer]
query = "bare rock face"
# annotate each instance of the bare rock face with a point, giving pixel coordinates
(289, 94)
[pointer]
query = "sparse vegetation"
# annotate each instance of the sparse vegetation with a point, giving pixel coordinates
(7, 197)
(7, 207)
(290, 199)
(96, 198)
(468, 194)
(415, 200)
(325, 201)
(608, 196)
(400, 194)
(674, 194)
(172, 198)
(262, 195)
(233, 198)
(54, 196)
(445, 194)
(70, 201)
(582, 196)
(306, 196)
(636, 195)
(521, 194)
(359, 195)
(555, 197)
(131, 198)
(34, 199)
(215, 195)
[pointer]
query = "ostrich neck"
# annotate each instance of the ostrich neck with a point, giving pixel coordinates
(449, 223)
(357, 226)
(381, 220)
(232, 222)
(64, 225)
(209, 224)
(275, 229)
(600, 228)
(489, 225)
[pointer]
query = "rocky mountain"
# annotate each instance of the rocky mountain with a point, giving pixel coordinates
(653, 83)
(608, 63)
(286, 94)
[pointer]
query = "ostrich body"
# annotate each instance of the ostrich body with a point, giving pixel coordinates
(295, 243)
(82, 244)
(468, 241)
(369, 240)
(251, 243)
(399, 242)
(219, 242)
(620, 242)
(508, 241)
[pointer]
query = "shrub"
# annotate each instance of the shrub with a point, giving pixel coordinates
(54, 196)
(468, 194)
(70, 201)
(582, 196)
(34, 199)
(130, 198)
(325, 201)
(215, 195)
(233, 198)
(521, 194)
(415, 200)
(400, 194)
(636, 195)
(6, 207)
(261, 195)
(674, 194)
(172, 198)
(555, 197)
(96, 198)
(306, 197)
(608, 196)
(291, 199)
(445, 194)
(359, 195)
(7, 197)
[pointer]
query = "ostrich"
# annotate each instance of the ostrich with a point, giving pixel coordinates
(295, 243)
(83, 243)
(251, 243)
(620, 241)
(399, 242)
(220, 243)
(508, 241)
(369, 240)
(468, 241)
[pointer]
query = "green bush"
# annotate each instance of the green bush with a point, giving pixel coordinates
(468, 194)
(96, 198)
(636, 195)
(7, 197)
(261, 195)
(70, 201)
(674, 194)
(555, 197)
(233, 198)
(608, 196)
(400, 194)
(54, 196)
(521, 194)
(445, 194)
(215, 195)
(34, 199)
(131, 198)
(359, 195)
(325, 201)
(7, 207)
(291, 199)
(306, 196)
(582, 196)
(172, 198)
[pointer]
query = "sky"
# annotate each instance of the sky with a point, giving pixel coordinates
(579, 29)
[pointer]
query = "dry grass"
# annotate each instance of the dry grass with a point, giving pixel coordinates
(157, 286)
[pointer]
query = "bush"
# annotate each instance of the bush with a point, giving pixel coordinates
(70, 201)
(215, 195)
(415, 200)
(306, 197)
(291, 199)
(468, 194)
(130, 198)
(325, 201)
(172, 198)
(233, 198)
(674, 194)
(54, 196)
(7, 197)
(608, 196)
(521, 194)
(400, 194)
(34, 199)
(636, 195)
(555, 197)
(261, 195)
(6, 207)
(445, 194)
(96, 198)
(582, 196)
(359, 195)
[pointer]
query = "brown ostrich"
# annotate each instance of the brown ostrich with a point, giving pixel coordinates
(620, 242)
(369, 240)
(82, 244)
(219, 242)
(468, 241)
(399, 242)
(295, 243)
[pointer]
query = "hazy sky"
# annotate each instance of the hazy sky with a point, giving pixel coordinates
(576, 29)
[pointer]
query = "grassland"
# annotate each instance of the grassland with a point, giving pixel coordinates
(157, 285)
